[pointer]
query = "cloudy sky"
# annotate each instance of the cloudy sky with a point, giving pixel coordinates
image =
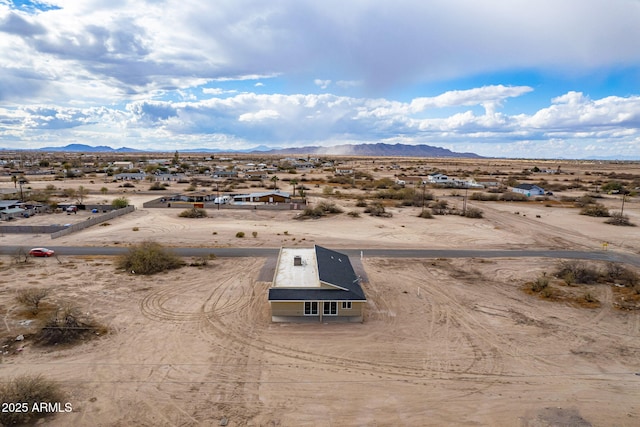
(516, 78)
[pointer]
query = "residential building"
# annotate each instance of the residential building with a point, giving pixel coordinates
(315, 284)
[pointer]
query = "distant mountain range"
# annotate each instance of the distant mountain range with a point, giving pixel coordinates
(380, 149)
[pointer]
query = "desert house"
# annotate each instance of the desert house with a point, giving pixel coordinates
(265, 197)
(315, 284)
(528, 190)
(122, 165)
(10, 209)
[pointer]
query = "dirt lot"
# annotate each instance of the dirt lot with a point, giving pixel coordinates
(444, 341)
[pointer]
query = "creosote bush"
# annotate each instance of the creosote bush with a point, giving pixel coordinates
(472, 213)
(578, 271)
(378, 209)
(595, 209)
(120, 202)
(31, 297)
(322, 209)
(31, 390)
(240, 234)
(193, 213)
(540, 284)
(148, 258)
(619, 219)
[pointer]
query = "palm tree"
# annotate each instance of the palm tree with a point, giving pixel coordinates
(275, 182)
(294, 182)
(15, 181)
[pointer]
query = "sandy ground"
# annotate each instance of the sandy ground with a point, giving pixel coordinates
(444, 342)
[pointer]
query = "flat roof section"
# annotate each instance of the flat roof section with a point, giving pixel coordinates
(289, 275)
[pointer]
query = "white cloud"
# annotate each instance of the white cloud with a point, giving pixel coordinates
(127, 46)
(322, 84)
(571, 122)
(259, 116)
(159, 58)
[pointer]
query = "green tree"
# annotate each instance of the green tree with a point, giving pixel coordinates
(82, 191)
(120, 202)
(274, 179)
(294, 182)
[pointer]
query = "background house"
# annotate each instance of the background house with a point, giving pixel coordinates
(266, 197)
(315, 284)
(528, 190)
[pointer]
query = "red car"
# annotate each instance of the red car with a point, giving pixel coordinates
(41, 252)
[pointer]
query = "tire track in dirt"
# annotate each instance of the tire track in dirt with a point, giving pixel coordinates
(236, 339)
(544, 233)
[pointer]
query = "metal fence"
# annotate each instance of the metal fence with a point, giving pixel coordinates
(92, 221)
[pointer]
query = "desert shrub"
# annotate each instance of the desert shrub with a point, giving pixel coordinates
(513, 197)
(584, 201)
(595, 209)
(323, 208)
(148, 258)
(67, 325)
(120, 202)
(439, 207)
(589, 297)
(472, 213)
(486, 197)
(240, 234)
(340, 179)
(540, 283)
(31, 297)
(612, 186)
(377, 209)
(618, 273)
(580, 272)
(156, 186)
(254, 234)
(128, 185)
(201, 261)
(383, 183)
(193, 213)
(618, 218)
(354, 214)
(361, 203)
(31, 390)
(425, 214)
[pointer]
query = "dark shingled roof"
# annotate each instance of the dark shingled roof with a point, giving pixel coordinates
(334, 268)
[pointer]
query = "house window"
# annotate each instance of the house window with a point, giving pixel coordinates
(346, 305)
(330, 308)
(310, 308)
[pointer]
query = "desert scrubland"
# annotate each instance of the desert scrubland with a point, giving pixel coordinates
(444, 341)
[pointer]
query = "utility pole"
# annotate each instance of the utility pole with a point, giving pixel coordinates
(464, 201)
(21, 181)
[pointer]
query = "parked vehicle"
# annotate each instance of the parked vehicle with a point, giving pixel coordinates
(73, 209)
(41, 252)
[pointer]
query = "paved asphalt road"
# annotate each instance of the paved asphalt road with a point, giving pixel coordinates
(383, 253)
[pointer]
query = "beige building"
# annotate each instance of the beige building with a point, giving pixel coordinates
(315, 284)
